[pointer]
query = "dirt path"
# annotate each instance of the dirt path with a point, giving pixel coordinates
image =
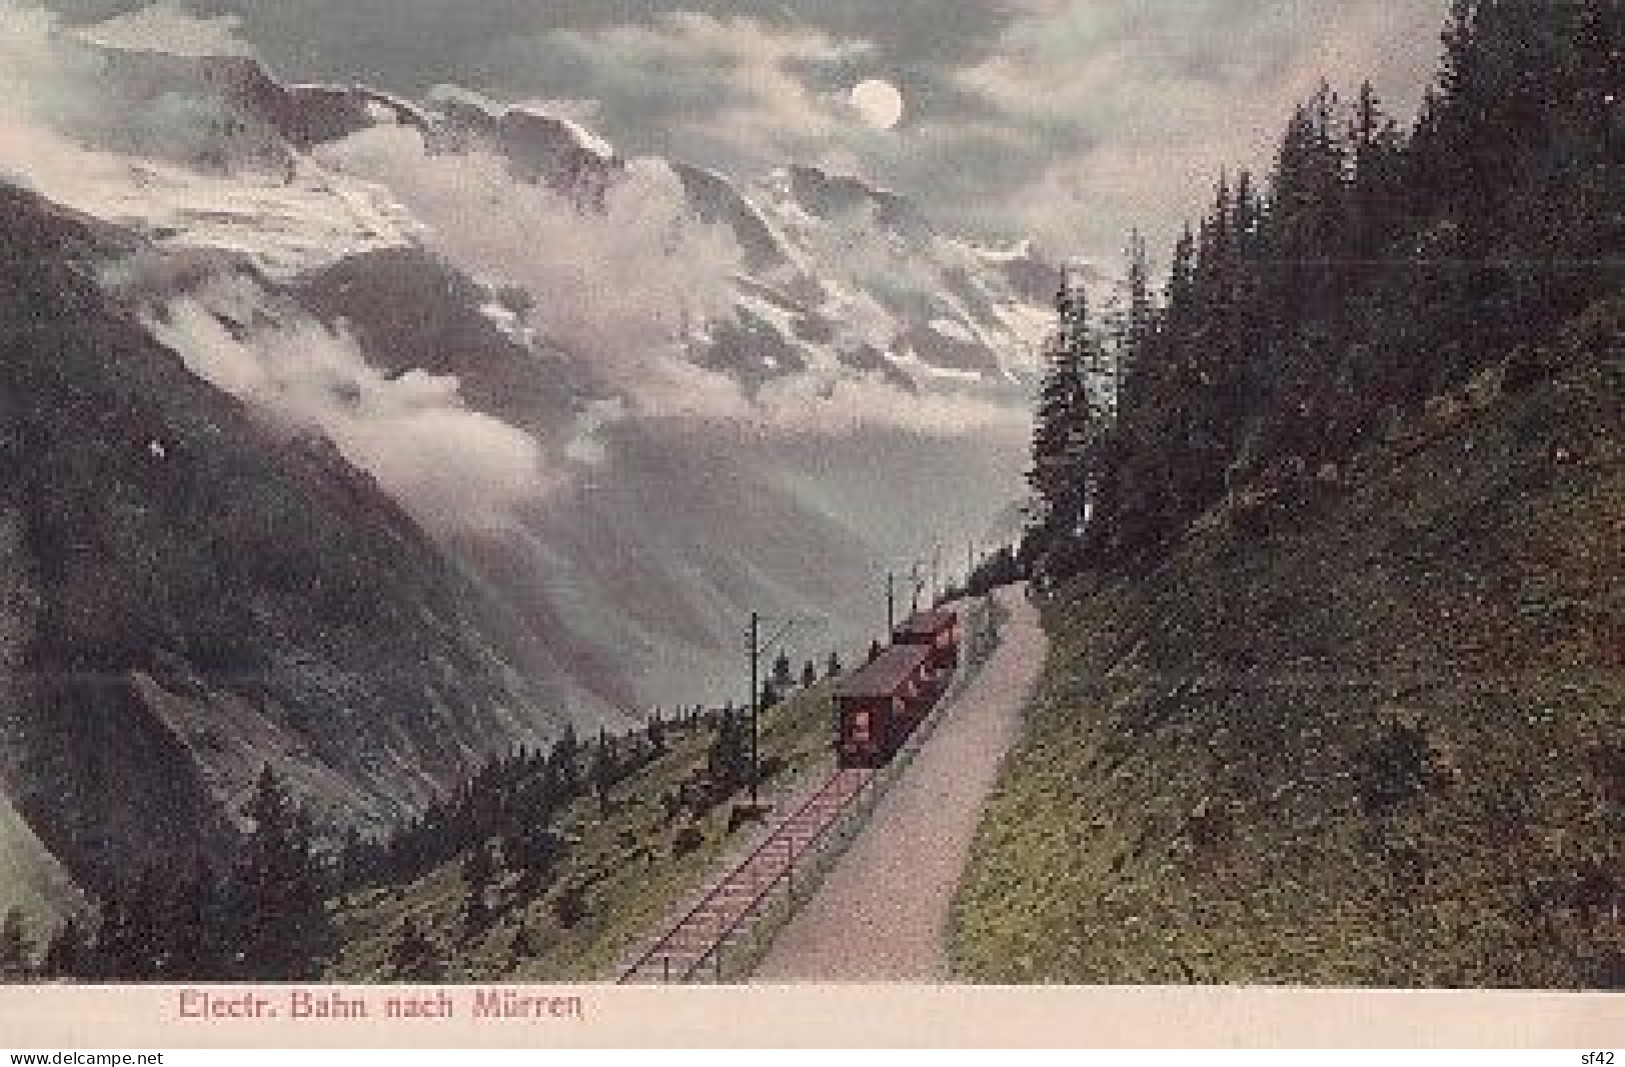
(882, 913)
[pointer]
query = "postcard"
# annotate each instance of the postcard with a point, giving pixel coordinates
(811, 522)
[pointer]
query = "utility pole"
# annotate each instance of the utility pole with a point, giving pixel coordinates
(916, 581)
(755, 705)
(757, 649)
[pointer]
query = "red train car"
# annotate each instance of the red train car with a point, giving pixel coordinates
(878, 706)
(937, 630)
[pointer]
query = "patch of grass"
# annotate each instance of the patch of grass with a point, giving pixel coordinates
(1381, 744)
(626, 871)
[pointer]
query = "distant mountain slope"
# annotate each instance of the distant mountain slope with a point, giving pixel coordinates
(193, 592)
(1361, 731)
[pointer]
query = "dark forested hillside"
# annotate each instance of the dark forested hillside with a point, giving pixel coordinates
(192, 594)
(1371, 269)
(1329, 546)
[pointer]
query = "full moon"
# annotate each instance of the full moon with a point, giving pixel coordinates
(878, 103)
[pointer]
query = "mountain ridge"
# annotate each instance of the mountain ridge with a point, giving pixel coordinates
(482, 506)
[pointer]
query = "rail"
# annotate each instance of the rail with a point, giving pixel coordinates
(693, 944)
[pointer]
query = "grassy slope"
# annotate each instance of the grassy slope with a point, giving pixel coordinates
(627, 862)
(1379, 741)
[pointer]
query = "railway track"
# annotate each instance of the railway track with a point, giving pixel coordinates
(694, 948)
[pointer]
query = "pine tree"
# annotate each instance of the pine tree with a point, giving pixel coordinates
(603, 772)
(1376, 165)
(565, 762)
(1056, 438)
(570, 906)
(832, 666)
(16, 948)
(478, 876)
(1075, 410)
(414, 958)
(67, 955)
(128, 947)
(783, 674)
(532, 851)
(729, 758)
(193, 928)
(657, 733)
(355, 861)
(1140, 322)
(522, 946)
(284, 926)
(111, 957)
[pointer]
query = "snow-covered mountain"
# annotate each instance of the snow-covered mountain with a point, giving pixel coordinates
(296, 178)
(624, 402)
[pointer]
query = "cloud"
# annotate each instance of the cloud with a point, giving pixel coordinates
(410, 45)
(717, 90)
(1156, 96)
(454, 469)
(806, 405)
(59, 113)
(618, 288)
(167, 27)
(586, 445)
(44, 75)
(627, 290)
(71, 114)
(1071, 120)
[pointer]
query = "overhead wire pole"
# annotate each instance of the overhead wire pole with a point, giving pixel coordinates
(758, 649)
(755, 702)
(891, 596)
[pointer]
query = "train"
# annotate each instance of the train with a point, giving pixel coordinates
(878, 706)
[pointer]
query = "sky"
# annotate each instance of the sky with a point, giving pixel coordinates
(1071, 121)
